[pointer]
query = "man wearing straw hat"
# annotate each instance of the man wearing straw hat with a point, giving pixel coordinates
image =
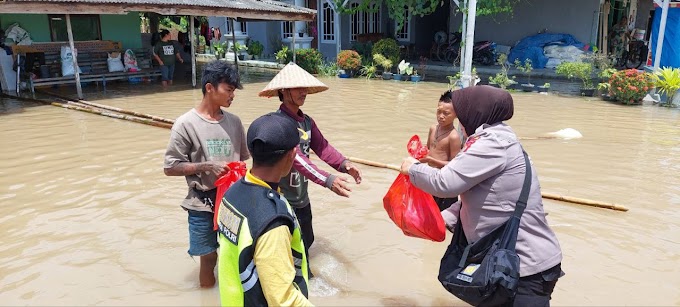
(292, 85)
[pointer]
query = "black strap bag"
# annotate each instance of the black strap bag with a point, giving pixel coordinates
(486, 272)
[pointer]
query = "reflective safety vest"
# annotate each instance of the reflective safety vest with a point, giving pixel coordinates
(246, 210)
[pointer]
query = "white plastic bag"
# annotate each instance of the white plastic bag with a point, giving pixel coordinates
(131, 61)
(67, 61)
(114, 62)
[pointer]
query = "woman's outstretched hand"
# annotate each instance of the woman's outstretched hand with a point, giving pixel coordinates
(406, 165)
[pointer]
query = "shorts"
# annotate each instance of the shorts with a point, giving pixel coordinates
(202, 237)
(167, 72)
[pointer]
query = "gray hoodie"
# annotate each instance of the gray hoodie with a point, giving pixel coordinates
(488, 175)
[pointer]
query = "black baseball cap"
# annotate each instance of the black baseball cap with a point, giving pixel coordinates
(272, 133)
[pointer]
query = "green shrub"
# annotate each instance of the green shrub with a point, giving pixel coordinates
(389, 48)
(308, 59)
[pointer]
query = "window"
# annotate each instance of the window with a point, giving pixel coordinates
(404, 34)
(363, 22)
(244, 26)
(327, 23)
(287, 29)
(85, 28)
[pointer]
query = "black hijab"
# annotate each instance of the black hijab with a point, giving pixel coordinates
(478, 105)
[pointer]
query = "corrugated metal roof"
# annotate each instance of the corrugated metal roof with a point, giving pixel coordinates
(260, 6)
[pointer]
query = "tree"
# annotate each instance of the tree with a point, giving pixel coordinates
(398, 9)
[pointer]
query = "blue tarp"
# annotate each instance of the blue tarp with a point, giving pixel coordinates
(670, 54)
(531, 47)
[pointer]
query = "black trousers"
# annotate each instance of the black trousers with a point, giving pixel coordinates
(304, 216)
(535, 290)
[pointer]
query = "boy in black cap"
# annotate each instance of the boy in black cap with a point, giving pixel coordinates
(262, 259)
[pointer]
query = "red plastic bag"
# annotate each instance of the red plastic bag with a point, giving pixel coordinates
(237, 170)
(411, 209)
(416, 149)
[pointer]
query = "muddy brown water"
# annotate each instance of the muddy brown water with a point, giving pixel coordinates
(90, 219)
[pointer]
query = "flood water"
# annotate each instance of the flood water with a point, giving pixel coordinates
(90, 219)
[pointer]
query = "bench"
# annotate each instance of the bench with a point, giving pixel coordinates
(92, 60)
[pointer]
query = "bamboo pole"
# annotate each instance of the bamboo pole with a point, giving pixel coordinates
(568, 199)
(150, 122)
(585, 202)
(91, 110)
(114, 109)
(374, 164)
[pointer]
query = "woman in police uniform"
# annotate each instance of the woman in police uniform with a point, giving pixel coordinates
(488, 174)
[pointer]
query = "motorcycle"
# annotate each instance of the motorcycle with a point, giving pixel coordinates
(483, 52)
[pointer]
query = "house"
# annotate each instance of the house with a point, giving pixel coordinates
(334, 32)
(124, 28)
(98, 20)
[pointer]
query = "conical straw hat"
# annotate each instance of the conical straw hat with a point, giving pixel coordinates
(292, 76)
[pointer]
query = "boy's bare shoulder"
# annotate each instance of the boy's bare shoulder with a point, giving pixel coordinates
(433, 128)
(454, 136)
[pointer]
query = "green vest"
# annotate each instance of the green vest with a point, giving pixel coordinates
(246, 211)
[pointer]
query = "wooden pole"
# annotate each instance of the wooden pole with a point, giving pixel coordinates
(193, 52)
(147, 121)
(294, 35)
(585, 202)
(119, 110)
(111, 108)
(374, 164)
(113, 115)
(574, 200)
(233, 42)
(69, 30)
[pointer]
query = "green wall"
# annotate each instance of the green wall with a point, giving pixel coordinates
(121, 28)
(37, 25)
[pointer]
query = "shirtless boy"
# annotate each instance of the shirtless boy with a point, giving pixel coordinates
(443, 142)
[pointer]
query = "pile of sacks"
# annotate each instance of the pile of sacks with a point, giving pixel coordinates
(558, 54)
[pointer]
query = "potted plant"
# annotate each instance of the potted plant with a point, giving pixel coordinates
(255, 49)
(348, 61)
(526, 68)
(668, 82)
(544, 88)
(220, 49)
(386, 65)
(282, 55)
(238, 49)
(405, 70)
(579, 70)
(630, 86)
(369, 71)
(416, 77)
(501, 79)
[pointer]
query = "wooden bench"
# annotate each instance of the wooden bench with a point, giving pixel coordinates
(92, 60)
